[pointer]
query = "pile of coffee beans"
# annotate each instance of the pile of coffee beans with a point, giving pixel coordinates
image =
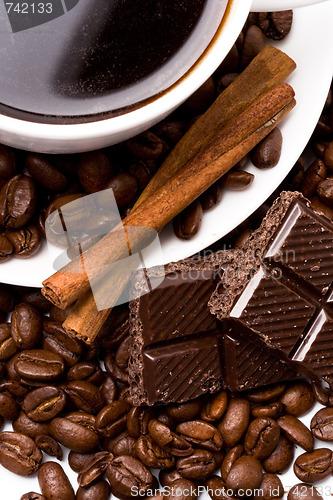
(33, 185)
(62, 394)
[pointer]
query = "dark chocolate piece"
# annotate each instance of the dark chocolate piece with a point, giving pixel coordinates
(179, 351)
(280, 290)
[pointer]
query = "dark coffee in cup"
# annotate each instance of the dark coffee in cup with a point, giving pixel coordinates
(92, 58)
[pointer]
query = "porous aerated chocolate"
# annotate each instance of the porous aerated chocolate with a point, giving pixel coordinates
(179, 350)
(279, 291)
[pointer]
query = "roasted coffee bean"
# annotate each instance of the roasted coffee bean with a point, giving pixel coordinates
(109, 390)
(8, 167)
(270, 487)
(217, 489)
(76, 431)
(44, 403)
(17, 390)
(322, 394)
(237, 180)
(321, 207)
(82, 246)
(94, 170)
(153, 455)
(121, 445)
(199, 465)
(325, 191)
(76, 215)
(170, 131)
(145, 146)
(215, 406)
(127, 474)
(182, 412)
(201, 434)
(141, 171)
(266, 394)
(211, 196)
(314, 466)
(18, 202)
(118, 374)
(303, 491)
(7, 345)
(328, 156)
(245, 474)
(25, 425)
(276, 25)
(26, 326)
(272, 410)
(54, 483)
(230, 458)
(111, 420)
(267, 153)
(41, 169)
(124, 188)
(34, 298)
(26, 241)
(115, 329)
(313, 175)
(322, 424)
(87, 371)
(225, 80)
(77, 461)
(123, 353)
(19, 453)
(296, 431)
(165, 419)
(261, 437)
(168, 439)
(39, 365)
(254, 42)
(49, 445)
(85, 396)
(57, 340)
(183, 489)
(189, 221)
(6, 248)
(9, 409)
(298, 398)
(94, 469)
(235, 421)
(11, 373)
(32, 496)
(100, 490)
(167, 477)
(138, 419)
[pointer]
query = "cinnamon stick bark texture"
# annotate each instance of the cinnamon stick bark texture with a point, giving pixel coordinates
(227, 147)
(269, 68)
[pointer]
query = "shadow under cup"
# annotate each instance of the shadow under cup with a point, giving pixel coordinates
(97, 60)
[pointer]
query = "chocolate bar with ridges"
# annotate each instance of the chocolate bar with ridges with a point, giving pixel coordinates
(285, 300)
(179, 351)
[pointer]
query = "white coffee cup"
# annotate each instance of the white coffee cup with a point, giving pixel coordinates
(202, 60)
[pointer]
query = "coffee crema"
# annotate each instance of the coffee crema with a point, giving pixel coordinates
(98, 58)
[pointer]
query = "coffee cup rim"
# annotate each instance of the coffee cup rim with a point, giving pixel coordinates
(77, 137)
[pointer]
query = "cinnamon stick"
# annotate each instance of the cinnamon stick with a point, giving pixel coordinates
(229, 145)
(269, 68)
